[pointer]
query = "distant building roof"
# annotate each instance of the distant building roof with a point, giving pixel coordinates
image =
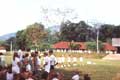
(61, 45)
(2, 48)
(108, 46)
(65, 45)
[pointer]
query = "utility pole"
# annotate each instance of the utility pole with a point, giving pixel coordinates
(97, 25)
(97, 40)
(11, 47)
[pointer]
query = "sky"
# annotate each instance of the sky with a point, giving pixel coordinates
(18, 14)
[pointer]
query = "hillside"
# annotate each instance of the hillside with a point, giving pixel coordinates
(7, 36)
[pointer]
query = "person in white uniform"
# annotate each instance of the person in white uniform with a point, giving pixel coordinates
(69, 60)
(74, 61)
(53, 61)
(62, 61)
(46, 66)
(9, 74)
(16, 64)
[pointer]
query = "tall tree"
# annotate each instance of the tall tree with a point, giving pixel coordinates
(11, 41)
(116, 32)
(75, 31)
(106, 32)
(35, 34)
(21, 40)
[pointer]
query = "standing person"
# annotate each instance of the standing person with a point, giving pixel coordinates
(16, 64)
(74, 60)
(53, 60)
(27, 66)
(38, 61)
(31, 61)
(46, 67)
(2, 59)
(9, 74)
(37, 64)
(69, 60)
(62, 61)
(20, 54)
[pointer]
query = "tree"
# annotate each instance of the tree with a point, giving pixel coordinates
(116, 32)
(35, 34)
(92, 46)
(21, 40)
(74, 46)
(2, 42)
(106, 32)
(51, 38)
(75, 31)
(11, 41)
(45, 46)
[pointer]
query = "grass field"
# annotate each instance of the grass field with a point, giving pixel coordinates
(102, 70)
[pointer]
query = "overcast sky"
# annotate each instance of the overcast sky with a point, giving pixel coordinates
(17, 14)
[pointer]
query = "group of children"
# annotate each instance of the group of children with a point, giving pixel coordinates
(30, 66)
(68, 61)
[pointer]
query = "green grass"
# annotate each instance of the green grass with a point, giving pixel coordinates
(102, 70)
(85, 55)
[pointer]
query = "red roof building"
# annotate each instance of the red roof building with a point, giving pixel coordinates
(2, 48)
(65, 45)
(109, 47)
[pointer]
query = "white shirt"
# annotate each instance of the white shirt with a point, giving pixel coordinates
(28, 67)
(15, 67)
(15, 62)
(38, 61)
(2, 58)
(55, 79)
(59, 60)
(76, 77)
(29, 79)
(63, 59)
(47, 67)
(21, 55)
(68, 59)
(74, 59)
(52, 60)
(9, 76)
(81, 59)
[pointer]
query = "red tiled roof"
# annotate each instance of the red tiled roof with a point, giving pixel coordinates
(65, 45)
(2, 48)
(61, 45)
(108, 46)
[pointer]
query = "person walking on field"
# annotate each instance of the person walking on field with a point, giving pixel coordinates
(53, 60)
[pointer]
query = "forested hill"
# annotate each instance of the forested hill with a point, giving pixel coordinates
(55, 28)
(7, 36)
